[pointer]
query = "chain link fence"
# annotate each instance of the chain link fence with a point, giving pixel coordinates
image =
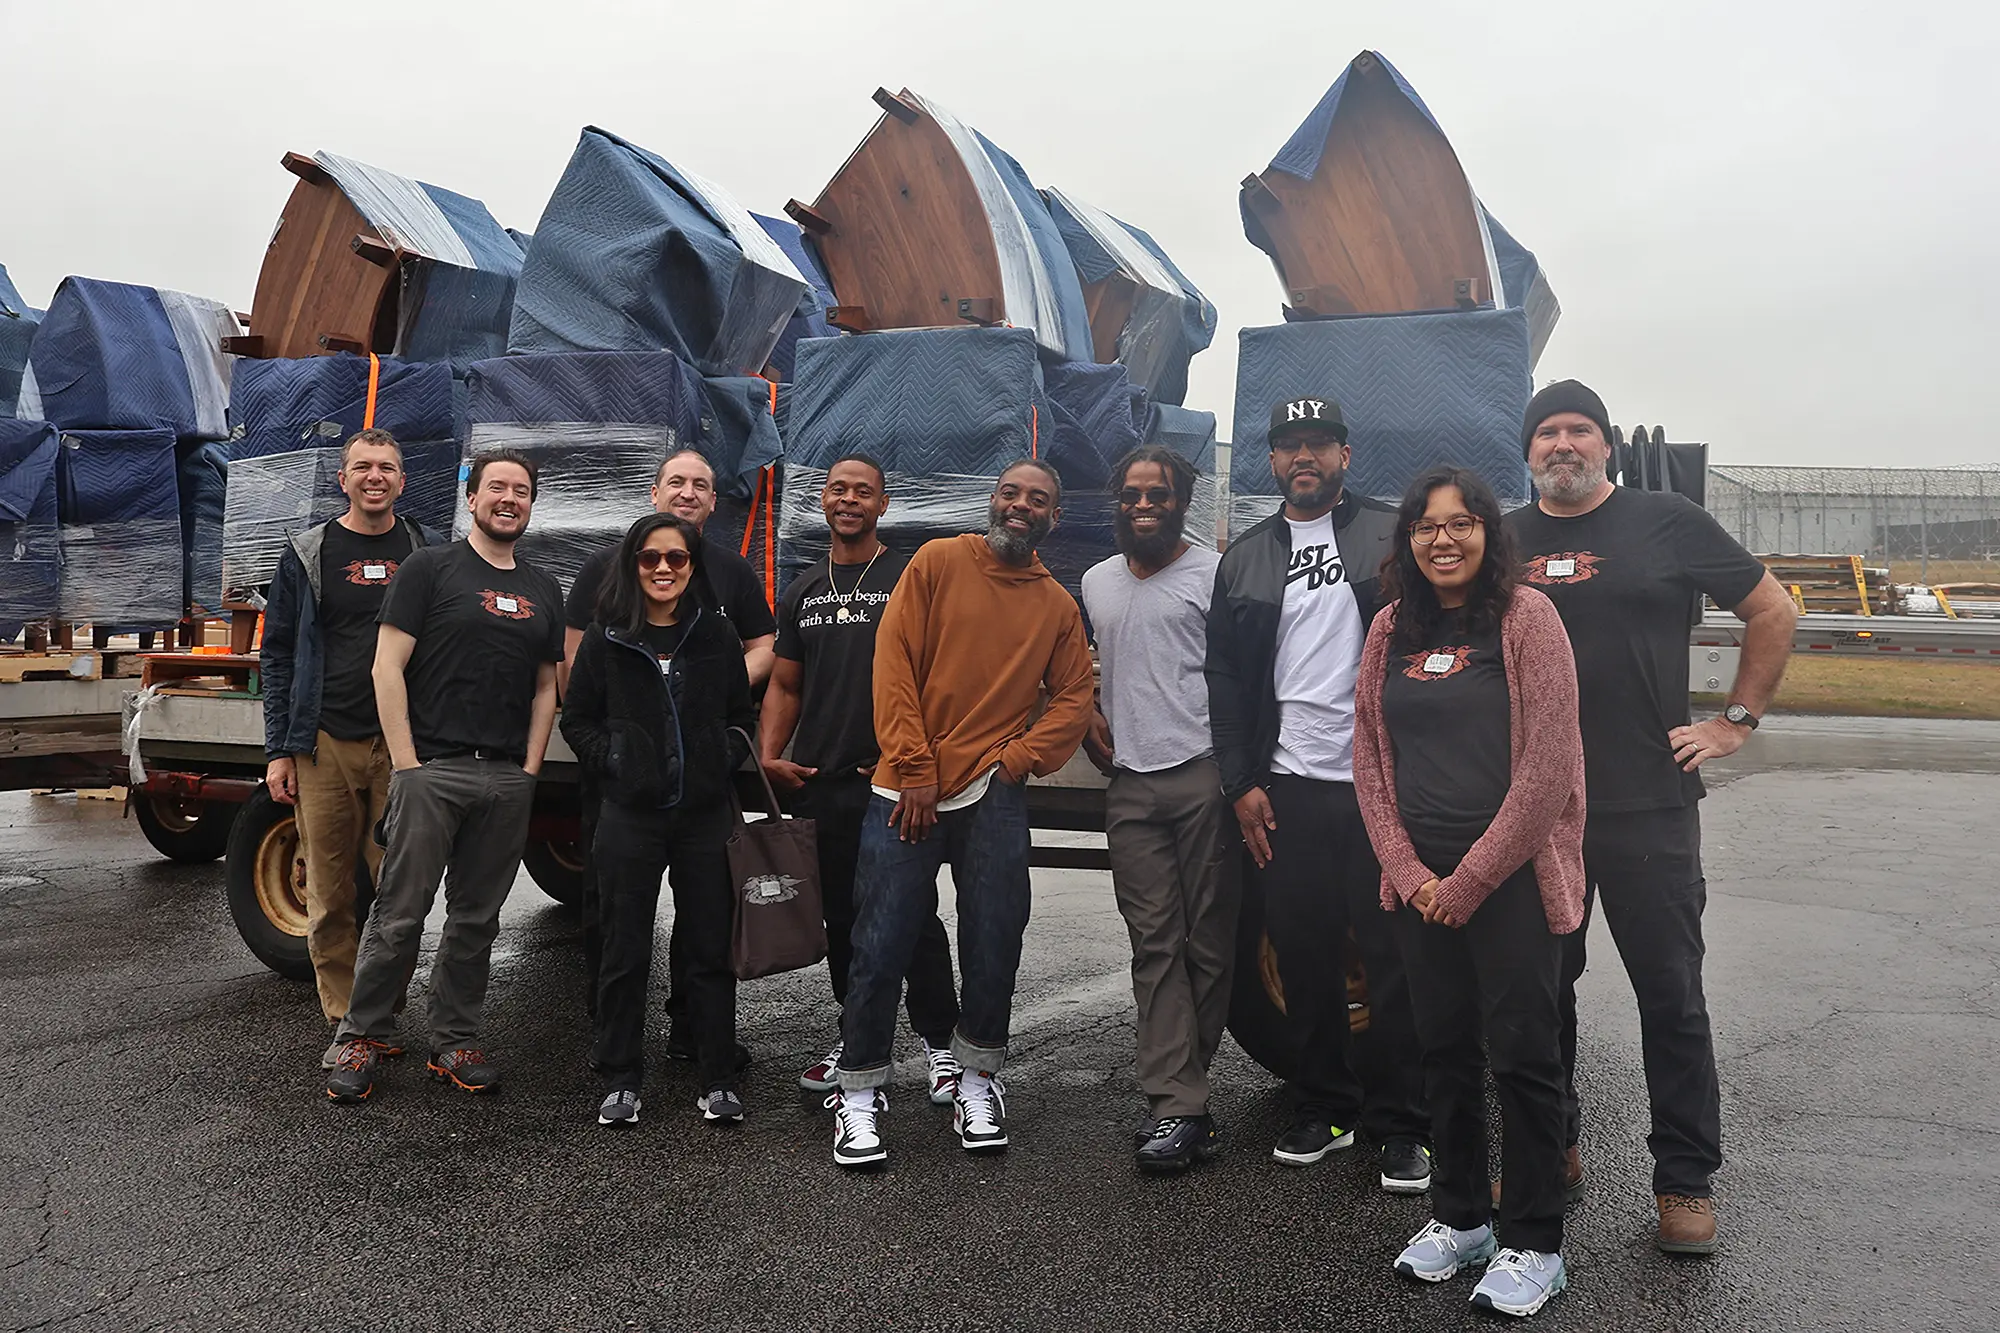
(1927, 524)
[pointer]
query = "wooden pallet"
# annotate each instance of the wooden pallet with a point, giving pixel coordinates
(1835, 584)
(16, 667)
(226, 674)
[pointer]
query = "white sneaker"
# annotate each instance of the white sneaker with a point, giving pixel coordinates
(824, 1076)
(1439, 1253)
(945, 1073)
(1520, 1282)
(857, 1139)
(980, 1122)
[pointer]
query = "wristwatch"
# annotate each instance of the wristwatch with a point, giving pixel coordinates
(1740, 715)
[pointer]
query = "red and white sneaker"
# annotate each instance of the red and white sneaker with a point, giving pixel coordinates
(824, 1076)
(945, 1072)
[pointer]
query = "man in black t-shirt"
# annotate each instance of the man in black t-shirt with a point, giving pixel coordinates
(821, 702)
(465, 682)
(322, 743)
(1624, 568)
(724, 583)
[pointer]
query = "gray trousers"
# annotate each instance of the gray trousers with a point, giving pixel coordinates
(463, 820)
(1174, 870)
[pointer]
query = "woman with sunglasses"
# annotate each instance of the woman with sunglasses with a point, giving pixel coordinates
(656, 697)
(1468, 766)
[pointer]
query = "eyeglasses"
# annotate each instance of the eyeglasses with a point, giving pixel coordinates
(1156, 496)
(1423, 532)
(677, 560)
(1305, 443)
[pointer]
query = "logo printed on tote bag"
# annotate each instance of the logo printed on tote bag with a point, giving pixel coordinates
(763, 890)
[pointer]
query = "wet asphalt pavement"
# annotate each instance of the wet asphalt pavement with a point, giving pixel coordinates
(167, 1159)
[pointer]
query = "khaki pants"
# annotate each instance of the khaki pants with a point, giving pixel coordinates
(1174, 853)
(343, 791)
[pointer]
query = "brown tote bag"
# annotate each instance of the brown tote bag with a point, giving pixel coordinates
(774, 875)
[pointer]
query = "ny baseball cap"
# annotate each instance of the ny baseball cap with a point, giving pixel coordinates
(1297, 414)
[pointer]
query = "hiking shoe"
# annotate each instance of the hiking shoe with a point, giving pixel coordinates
(945, 1073)
(857, 1139)
(467, 1069)
(1310, 1138)
(1520, 1282)
(353, 1074)
(980, 1121)
(1176, 1143)
(1438, 1252)
(1405, 1166)
(1572, 1179)
(824, 1076)
(721, 1104)
(1687, 1225)
(620, 1109)
(330, 1057)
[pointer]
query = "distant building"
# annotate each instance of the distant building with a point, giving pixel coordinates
(1886, 513)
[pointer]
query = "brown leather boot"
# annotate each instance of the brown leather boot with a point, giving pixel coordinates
(1572, 1179)
(1687, 1225)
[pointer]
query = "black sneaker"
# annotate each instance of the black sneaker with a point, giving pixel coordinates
(1310, 1138)
(721, 1104)
(469, 1070)
(619, 1110)
(1406, 1166)
(1177, 1142)
(353, 1075)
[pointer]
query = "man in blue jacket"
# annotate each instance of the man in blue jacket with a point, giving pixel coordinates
(322, 740)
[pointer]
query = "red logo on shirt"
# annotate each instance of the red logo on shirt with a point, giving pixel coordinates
(1419, 661)
(1583, 567)
(497, 603)
(357, 571)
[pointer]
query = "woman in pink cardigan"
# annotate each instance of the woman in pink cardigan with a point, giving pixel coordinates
(1468, 765)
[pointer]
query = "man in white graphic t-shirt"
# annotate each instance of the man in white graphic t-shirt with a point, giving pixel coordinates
(1293, 598)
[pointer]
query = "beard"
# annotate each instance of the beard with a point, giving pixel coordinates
(1153, 548)
(1568, 478)
(1320, 496)
(1016, 548)
(481, 522)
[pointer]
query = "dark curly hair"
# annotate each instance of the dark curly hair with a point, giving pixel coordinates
(1492, 590)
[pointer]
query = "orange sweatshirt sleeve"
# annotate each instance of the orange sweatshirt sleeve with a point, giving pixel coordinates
(1049, 743)
(907, 760)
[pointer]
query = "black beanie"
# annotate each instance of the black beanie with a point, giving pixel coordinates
(1564, 396)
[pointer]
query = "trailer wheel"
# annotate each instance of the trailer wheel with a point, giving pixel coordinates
(190, 831)
(557, 869)
(267, 886)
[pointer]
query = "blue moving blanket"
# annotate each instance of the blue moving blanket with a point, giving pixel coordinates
(635, 254)
(809, 320)
(1415, 391)
(599, 424)
(30, 561)
(111, 356)
(17, 330)
(119, 505)
(280, 405)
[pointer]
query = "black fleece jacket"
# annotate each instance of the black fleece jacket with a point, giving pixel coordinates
(1243, 629)
(654, 739)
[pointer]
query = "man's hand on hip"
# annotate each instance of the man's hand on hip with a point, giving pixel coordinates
(1713, 739)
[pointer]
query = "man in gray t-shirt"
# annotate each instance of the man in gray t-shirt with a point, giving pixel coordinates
(1170, 831)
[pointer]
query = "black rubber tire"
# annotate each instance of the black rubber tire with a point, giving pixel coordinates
(192, 832)
(264, 842)
(1256, 1004)
(557, 869)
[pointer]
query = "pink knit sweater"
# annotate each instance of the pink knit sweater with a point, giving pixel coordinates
(1542, 815)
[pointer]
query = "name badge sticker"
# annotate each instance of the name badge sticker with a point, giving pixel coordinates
(1439, 663)
(1562, 569)
(374, 571)
(507, 604)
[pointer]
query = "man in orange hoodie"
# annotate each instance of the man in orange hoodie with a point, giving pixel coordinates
(973, 636)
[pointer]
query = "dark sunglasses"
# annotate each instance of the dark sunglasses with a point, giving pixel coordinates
(1423, 532)
(1156, 496)
(677, 560)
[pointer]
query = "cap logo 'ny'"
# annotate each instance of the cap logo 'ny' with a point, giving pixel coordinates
(1305, 409)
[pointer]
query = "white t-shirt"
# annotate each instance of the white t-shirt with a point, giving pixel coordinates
(1319, 653)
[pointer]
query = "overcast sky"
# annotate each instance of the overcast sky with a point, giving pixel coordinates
(1773, 227)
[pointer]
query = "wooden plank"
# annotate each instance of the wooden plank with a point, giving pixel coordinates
(1387, 223)
(16, 667)
(312, 282)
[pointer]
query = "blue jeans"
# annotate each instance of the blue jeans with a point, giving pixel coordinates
(895, 892)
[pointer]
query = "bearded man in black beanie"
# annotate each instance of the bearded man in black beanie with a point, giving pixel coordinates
(1623, 567)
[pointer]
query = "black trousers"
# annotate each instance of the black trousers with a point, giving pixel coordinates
(1644, 868)
(1495, 978)
(1323, 878)
(633, 849)
(838, 804)
(590, 799)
